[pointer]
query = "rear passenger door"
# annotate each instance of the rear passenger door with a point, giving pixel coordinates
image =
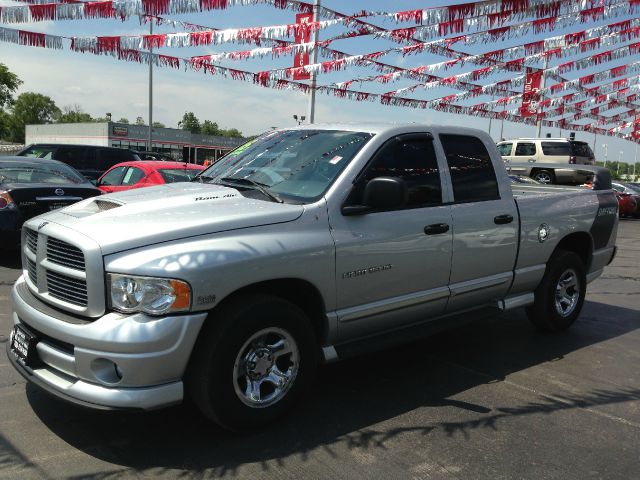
(485, 224)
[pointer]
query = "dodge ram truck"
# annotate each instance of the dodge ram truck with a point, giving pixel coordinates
(306, 245)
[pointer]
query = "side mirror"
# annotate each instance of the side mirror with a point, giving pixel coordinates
(381, 193)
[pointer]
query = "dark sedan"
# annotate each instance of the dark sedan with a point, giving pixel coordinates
(31, 187)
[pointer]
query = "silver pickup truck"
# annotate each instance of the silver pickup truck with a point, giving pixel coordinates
(303, 246)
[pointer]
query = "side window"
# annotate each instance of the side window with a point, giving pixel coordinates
(471, 170)
(40, 152)
(113, 177)
(413, 159)
(132, 176)
(523, 149)
(71, 156)
(556, 148)
(505, 149)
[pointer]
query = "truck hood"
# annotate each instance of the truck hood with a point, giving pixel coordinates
(134, 218)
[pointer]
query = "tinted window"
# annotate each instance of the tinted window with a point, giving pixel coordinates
(505, 149)
(177, 175)
(59, 174)
(581, 149)
(132, 176)
(472, 173)
(71, 156)
(525, 148)
(556, 148)
(113, 177)
(412, 159)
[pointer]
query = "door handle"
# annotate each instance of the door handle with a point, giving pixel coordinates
(436, 228)
(502, 219)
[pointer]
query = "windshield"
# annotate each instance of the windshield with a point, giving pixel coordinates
(298, 165)
(58, 174)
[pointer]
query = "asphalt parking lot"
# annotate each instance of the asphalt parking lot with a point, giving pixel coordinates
(491, 400)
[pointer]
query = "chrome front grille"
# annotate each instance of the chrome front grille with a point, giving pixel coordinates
(63, 269)
(32, 241)
(64, 254)
(67, 289)
(31, 270)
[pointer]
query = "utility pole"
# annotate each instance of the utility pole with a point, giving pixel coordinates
(604, 145)
(150, 149)
(539, 110)
(493, 97)
(314, 60)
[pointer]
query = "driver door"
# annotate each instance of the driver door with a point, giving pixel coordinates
(392, 267)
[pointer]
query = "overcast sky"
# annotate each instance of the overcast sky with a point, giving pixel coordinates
(103, 84)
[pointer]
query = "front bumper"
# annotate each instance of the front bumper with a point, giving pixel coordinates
(77, 358)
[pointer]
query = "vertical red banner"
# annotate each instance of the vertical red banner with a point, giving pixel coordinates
(302, 35)
(635, 134)
(531, 93)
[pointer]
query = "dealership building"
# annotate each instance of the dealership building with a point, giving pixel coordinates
(179, 144)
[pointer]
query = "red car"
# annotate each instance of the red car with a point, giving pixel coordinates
(128, 175)
(626, 204)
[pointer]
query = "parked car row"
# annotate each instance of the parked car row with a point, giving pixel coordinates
(628, 195)
(47, 177)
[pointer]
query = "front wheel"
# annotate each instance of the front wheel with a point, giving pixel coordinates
(560, 295)
(254, 357)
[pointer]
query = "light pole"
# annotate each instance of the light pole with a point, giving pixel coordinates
(314, 60)
(108, 115)
(299, 120)
(604, 145)
(619, 160)
(150, 87)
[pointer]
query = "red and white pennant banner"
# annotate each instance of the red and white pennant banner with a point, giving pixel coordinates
(615, 9)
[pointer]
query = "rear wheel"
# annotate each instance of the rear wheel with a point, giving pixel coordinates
(560, 295)
(253, 359)
(544, 176)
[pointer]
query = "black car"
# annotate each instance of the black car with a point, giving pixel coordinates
(29, 187)
(154, 156)
(90, 160)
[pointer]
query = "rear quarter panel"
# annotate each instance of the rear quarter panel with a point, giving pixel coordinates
(564, 213)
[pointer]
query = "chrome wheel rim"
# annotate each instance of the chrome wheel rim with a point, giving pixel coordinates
(542, 177)
(567, 293)
(266, 367)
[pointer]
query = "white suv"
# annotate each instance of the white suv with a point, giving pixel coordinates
(542, 153)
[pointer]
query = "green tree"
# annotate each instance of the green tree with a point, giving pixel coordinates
(158, 125)
(124, 120)
(190, 122)
(139, 121)
(232, 132)
(73, 114)
(30, 109)
(210, 128)
(9, 83)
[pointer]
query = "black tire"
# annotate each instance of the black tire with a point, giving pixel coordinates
(544, 176)
(548, 313)
(210, 378)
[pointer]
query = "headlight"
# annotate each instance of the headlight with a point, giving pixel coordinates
(155, 296)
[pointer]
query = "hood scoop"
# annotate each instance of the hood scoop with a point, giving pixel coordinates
(84, 209)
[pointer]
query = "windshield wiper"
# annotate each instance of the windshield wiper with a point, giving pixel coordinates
(245, 182)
